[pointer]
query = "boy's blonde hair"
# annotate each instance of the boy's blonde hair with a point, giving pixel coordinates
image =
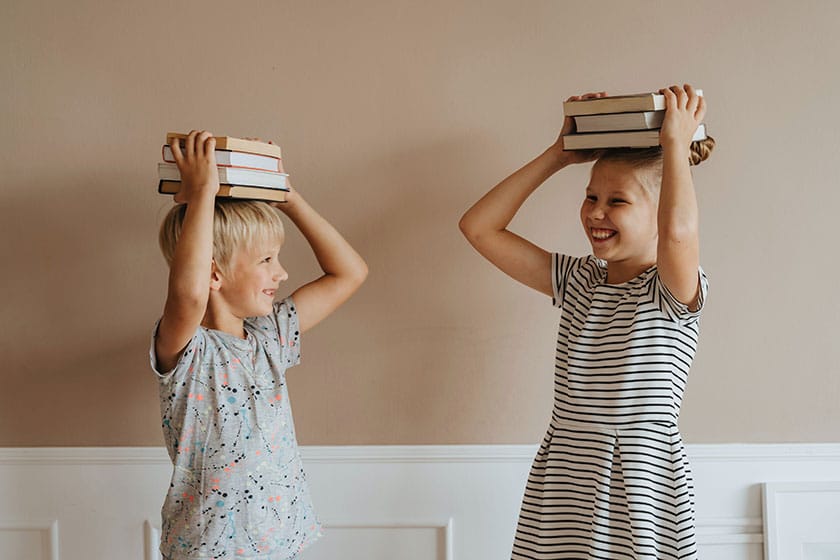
(236, 224)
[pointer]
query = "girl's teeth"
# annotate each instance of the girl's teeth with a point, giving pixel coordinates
(602, 233)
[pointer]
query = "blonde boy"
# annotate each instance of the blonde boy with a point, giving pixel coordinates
(220, 350)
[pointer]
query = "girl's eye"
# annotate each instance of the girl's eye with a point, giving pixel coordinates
(618, 201)
(267, 259)
(591, 198)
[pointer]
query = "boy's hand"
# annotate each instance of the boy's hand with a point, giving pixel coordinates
(575, 156)
(197, 166)
(291, 198)
(684, 111)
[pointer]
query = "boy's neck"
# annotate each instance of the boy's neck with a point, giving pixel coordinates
(223, 320)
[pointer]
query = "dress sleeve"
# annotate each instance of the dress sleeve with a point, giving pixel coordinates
(561, 269)
(188, 358)
(676, 310)
(288, 329)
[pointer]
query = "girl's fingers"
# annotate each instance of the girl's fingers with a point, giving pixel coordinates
(670, 98)
(700, 112)
(680, 95)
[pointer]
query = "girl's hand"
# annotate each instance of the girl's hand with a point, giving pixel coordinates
(575, 156)
(197, 166)
(684, 111)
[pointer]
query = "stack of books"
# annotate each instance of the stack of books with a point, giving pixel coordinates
(622, 121)
(247, 169)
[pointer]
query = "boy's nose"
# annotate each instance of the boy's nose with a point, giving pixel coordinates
(280, 274)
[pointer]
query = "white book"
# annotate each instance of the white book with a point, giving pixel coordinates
(616, 122)
(617, 104)
(228, 158)
(232, 176)
(629, 139)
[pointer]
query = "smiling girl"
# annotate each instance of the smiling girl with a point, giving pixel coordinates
(611, 479)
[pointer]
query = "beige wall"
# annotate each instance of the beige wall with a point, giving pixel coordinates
(394, 117)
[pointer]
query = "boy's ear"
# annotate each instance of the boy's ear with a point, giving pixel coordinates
(215, 277)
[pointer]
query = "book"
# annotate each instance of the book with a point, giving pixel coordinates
(233, 176)
(627, 139)
(232, 191)
(227, 158)
(614, 122)
(234, 144)
(617, 104)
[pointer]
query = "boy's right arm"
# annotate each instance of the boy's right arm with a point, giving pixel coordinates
(485, 223)
(192, 263)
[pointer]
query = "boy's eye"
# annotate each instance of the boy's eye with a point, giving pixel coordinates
(591, 198)
(618, 201)
(267, 259)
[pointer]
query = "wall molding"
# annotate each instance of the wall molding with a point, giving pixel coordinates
(151, 532)
(411, 454)
(50, 527)
(379, 490)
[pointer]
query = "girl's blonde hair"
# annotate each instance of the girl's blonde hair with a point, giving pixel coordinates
(650, 159)
(236, 223)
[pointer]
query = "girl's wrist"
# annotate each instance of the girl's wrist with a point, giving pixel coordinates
(556, 156)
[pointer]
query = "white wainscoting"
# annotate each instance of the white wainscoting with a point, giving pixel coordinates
(377, 503)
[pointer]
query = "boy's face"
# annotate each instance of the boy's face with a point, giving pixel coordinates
(252, 280)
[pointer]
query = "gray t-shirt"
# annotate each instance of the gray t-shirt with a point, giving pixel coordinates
(238, 488)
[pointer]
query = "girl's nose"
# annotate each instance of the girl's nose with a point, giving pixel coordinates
(280, 274)
(596, 212)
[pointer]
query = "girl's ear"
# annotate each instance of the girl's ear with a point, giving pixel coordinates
(215, 277)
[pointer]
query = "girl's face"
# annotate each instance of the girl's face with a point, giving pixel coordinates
(255, 274)
(619, 217)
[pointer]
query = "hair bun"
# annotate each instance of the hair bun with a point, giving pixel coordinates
(701, 150)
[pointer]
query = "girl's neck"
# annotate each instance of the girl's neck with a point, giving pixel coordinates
(621, 272)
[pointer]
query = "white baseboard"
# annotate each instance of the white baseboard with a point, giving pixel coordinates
(410, 502)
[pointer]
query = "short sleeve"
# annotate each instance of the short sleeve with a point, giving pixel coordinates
(185, 361)
(288, 329)
(676, 310)
(561, 268)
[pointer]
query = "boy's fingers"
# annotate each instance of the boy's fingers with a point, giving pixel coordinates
(210, 147)
(175, 147)
(189, 144)
(201, 143)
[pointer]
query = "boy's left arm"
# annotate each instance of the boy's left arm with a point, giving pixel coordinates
(678, 249)
(344, 270)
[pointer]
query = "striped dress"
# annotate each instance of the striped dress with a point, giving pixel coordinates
(611, 479)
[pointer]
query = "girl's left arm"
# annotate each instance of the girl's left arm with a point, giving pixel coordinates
(678, 250)
(344, 270)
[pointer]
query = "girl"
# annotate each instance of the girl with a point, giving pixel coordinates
(221, 350)
(611, 480)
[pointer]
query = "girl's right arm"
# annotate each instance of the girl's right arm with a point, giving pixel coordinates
(190, 271)
(485, 223)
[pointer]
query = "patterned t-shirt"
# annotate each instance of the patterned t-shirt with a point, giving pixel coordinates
(238, 489)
